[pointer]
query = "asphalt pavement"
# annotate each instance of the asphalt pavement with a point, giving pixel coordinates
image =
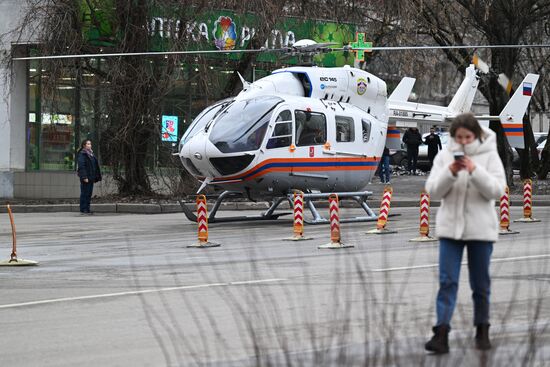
(124, 290)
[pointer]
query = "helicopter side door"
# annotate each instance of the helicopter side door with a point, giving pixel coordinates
(310, 135)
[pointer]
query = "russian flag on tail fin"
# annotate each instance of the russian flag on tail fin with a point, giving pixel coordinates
(527, 89)
(511, 116)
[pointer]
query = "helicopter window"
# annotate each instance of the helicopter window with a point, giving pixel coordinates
(242, 126)
(202, 119)
(344, 129)
(282, 133)
(286, 115)
(311, 128)
(366, 130)
(306, 83)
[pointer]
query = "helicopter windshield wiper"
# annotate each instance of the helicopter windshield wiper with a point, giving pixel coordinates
(223, 109)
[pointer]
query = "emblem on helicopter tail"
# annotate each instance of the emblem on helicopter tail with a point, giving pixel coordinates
(361, 86)
(225, 33)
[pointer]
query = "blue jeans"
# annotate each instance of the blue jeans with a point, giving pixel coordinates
(86, 190)
(385, 172)
(450, 258)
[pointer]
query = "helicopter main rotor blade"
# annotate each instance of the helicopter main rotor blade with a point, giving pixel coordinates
(321, 47)
(402, 48)
(159, 53)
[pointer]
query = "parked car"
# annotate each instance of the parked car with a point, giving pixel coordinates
(540, 140)
(398, 157)
(540, 137)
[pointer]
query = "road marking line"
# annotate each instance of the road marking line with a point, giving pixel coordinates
(133, 293)
(504, 259)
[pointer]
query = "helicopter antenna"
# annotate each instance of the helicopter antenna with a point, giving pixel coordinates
(246, 84)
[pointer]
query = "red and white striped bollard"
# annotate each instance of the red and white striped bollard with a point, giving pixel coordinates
(298, 227)
(424, 219)
(384, 213)
(505, 213)
(334, 219)
(202, 224)
(527, 203)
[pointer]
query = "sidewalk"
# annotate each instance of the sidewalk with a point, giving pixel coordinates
(406, 193)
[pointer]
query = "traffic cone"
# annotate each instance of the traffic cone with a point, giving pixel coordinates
(14, 261)
(202, 223)
(424, 219)
(384, 212)
(334, 215)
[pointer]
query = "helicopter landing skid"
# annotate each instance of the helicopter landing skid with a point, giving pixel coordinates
(360, 197)
(268, 215)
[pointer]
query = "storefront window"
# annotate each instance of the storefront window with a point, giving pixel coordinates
(51, 120)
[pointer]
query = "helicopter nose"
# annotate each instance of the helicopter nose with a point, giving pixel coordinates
(193, 156)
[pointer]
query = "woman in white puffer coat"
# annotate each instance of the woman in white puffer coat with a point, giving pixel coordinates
(467, 177)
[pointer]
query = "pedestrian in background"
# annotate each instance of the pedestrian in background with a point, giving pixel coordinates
(413, 139)
(467, 177)
(385, 171)
(434, 145)
(89, 173)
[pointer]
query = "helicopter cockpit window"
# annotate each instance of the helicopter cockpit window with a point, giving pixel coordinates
(241, 127)
(282, 132)
(202, 119)
(345, 131)
(366, 130)
(311, 128)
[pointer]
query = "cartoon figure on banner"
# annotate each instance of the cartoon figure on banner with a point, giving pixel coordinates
(225, 33)
(169, 130)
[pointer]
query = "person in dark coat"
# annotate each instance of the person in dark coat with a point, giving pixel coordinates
(434, 145)
(384, 171)
(413, 139)
(89, 173)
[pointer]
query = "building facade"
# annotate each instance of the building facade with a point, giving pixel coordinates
(41, 129)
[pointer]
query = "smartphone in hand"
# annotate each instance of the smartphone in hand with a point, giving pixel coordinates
(458, 155)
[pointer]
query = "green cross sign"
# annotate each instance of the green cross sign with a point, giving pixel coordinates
(360, 46)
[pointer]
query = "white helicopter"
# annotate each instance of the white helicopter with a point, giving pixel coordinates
(317, 130)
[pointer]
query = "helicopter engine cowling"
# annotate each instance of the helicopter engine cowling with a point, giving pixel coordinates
(284, 83)
(346, 85)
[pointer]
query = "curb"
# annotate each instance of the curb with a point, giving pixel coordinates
(133, 208)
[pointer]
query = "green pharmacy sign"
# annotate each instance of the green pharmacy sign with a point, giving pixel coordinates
(221, 30)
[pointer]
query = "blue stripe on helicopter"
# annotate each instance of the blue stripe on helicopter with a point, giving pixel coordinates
(313, 165)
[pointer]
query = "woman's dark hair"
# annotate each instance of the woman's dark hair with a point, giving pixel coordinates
(83, 144)
(468, 122)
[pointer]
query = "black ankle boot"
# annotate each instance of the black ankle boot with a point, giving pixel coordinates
(439, 343)
(482, 337)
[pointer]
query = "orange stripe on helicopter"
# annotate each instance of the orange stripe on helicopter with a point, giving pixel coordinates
(305, 164)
